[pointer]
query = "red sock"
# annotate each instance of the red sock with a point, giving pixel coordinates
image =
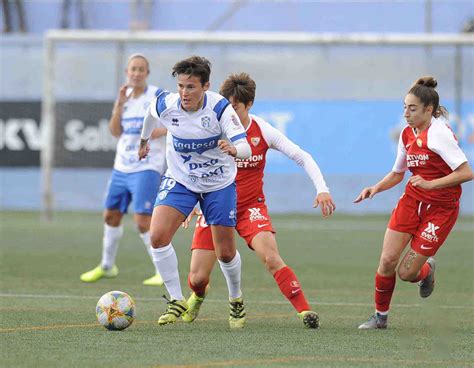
(424, 272)
(384, 287)
(291, 288)
(199, 290)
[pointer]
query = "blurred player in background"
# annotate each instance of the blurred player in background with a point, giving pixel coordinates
(204, 134)
(253, 222)
(427, 211)
(132, 179)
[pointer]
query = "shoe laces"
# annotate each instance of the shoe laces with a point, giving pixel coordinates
(173, 306)
(237, 309)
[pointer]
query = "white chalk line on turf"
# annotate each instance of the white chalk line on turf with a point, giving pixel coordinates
(275, 302)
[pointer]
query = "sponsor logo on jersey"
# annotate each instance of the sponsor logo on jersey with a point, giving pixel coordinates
(255, 141)
(210, 176)
(430, 233)
(252, 161)
(132, 125)
(203, 165)
(255, 215)
(195, 145)
(186, 158)
(417, 160)
(206, 121)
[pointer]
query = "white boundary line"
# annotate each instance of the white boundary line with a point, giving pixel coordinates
(274, 302)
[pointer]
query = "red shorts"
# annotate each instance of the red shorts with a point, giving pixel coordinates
(430, 225)
(250, 222)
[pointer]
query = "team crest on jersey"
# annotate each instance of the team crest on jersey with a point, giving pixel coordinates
(419, 142)
(206, 121)
(255, 141)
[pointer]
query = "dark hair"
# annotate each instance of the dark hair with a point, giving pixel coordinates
(197, 66)
(424, 89)
(240, 86)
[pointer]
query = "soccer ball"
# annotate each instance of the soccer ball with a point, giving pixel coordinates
(115, 310)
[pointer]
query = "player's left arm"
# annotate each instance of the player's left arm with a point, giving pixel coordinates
(237, 145)
(277, 140)
(444, 143)
(460, 175)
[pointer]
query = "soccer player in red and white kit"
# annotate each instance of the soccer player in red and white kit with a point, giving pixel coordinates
(253, 222)
(427, 211)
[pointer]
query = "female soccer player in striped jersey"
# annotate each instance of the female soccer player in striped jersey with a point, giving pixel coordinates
(427, 211)
(253, 222)
(132, 180)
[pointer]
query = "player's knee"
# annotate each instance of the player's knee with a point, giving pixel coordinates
(112, 218)
(387, 264)
(142, 227)
(197, 280)
(159, 240)
(405, 274)
(226, 254)
(273, 263)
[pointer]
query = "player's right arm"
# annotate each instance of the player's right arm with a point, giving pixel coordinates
(277, 140)
(151, 123)
(392, 178)
(115, 122)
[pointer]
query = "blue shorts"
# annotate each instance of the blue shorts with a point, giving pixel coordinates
(219, 207)
(141, 187)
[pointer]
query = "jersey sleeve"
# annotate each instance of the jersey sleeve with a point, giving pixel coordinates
(278, 141)
(443, 142)
(400, 164)
(231, 125)
(151, 121)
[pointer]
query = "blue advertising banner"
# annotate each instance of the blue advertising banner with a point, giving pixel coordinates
(349, 137)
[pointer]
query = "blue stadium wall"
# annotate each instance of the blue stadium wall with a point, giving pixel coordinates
(310, 16)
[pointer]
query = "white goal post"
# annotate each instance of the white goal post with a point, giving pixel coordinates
(54, 37)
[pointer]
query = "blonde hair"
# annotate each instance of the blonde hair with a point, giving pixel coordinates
(138, 55)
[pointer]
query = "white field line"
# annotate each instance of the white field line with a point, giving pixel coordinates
(334, 225)
(274, 302)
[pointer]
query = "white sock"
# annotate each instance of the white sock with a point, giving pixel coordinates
(147, 241)
(231, 273)
(110, 243)
(166, 263)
